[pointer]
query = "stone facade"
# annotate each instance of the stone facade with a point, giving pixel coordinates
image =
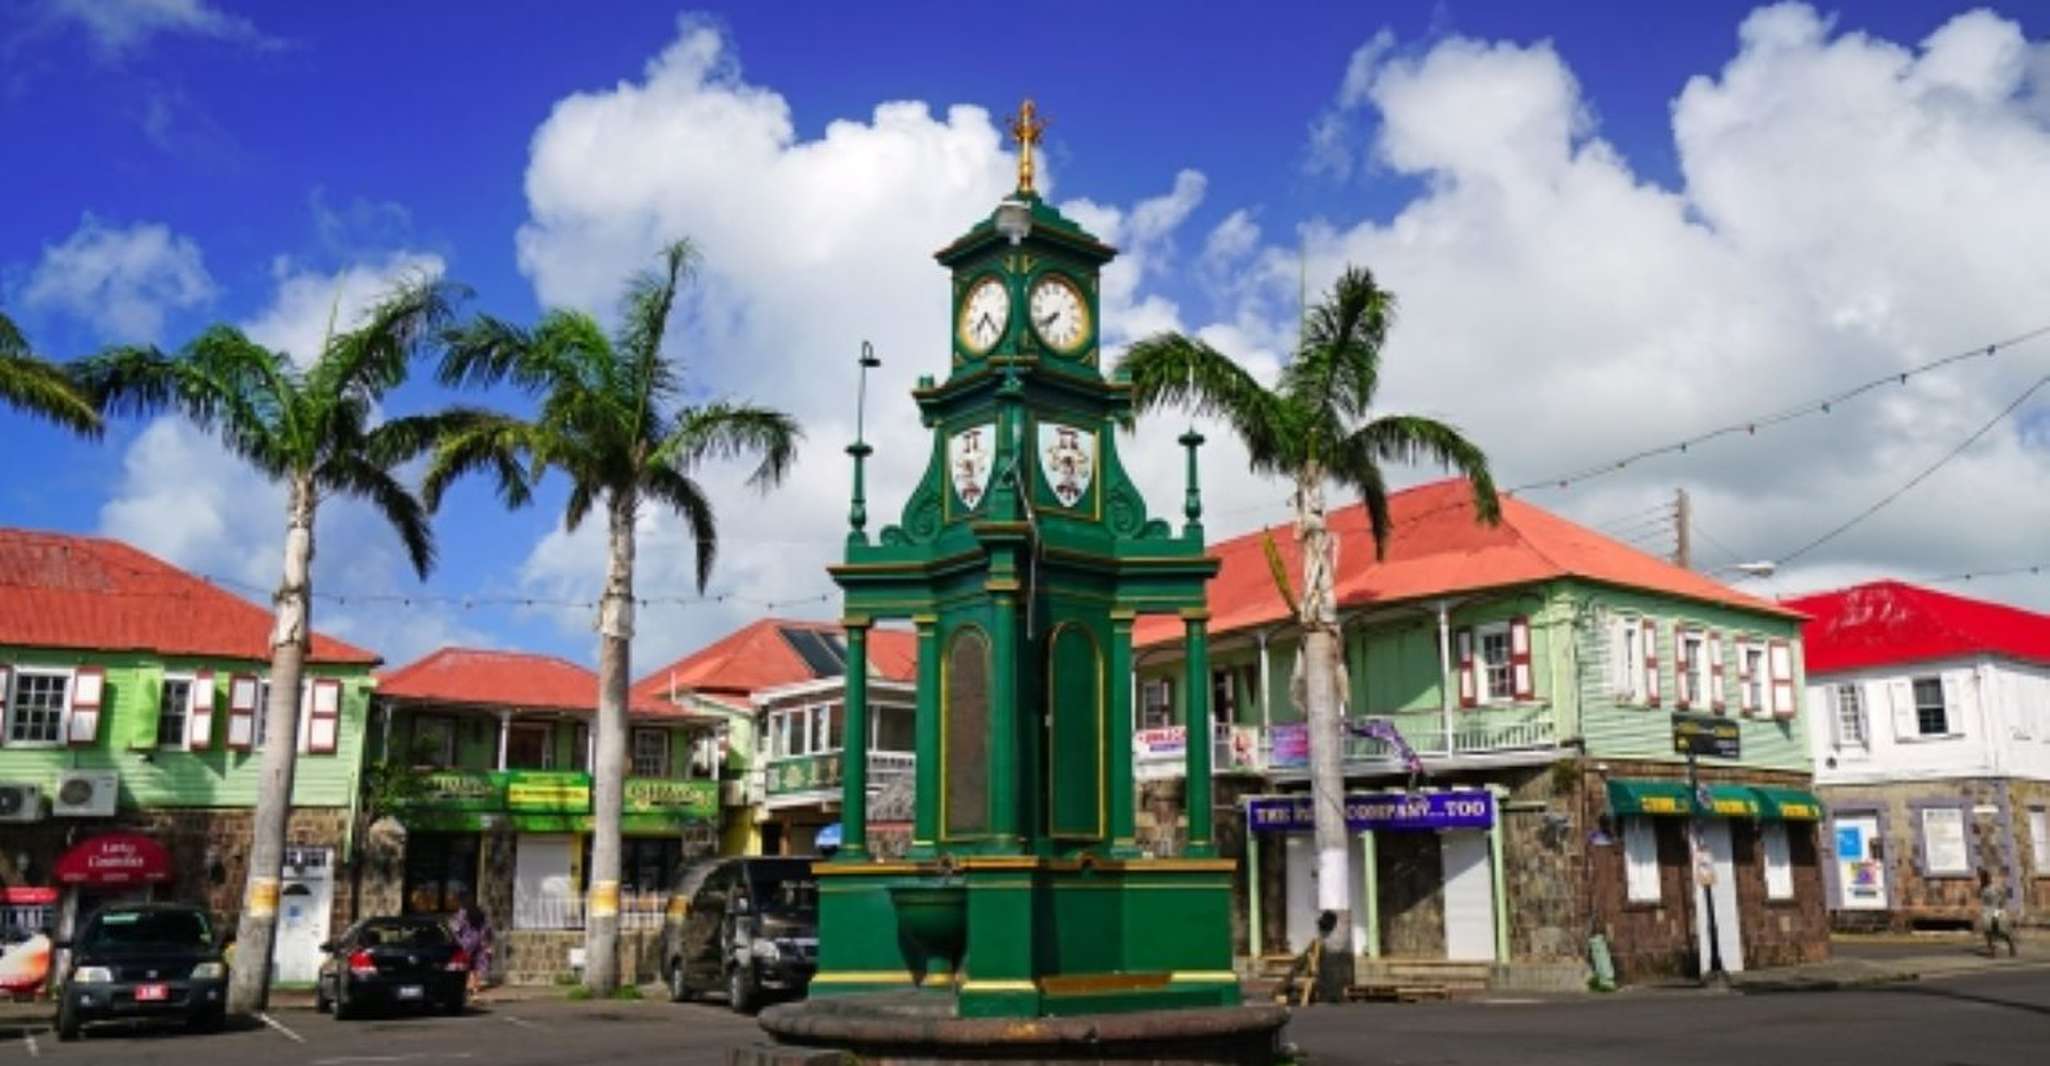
(542, 956)
(1996, 840)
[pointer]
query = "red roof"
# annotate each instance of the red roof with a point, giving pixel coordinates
(512, 679)
(1887, 622)
(59, 590)
(1437, 548)
(761, 656)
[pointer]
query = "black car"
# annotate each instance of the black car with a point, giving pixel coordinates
(386, 963)
(143, 960)
(751, 929)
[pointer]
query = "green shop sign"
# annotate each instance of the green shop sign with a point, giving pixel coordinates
(804, 774)
(553, 801)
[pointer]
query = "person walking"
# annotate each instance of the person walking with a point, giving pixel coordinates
(1993, 915)
(472, 930)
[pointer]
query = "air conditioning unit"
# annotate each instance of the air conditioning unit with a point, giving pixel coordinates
(86, 794)
(20, 802)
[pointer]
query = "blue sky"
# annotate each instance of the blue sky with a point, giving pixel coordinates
(173, 163)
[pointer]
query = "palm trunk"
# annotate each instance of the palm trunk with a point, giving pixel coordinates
(256, 935)
(1321, 651)
(615, 635)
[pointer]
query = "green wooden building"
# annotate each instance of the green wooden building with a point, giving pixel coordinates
(1534, 669)
(133, 696)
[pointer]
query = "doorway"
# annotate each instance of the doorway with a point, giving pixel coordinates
(1469, 895)
(1714, 852)
(1860, 863)
(305, 902)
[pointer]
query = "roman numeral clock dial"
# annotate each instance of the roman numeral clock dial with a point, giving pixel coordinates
(1059, 314)
(984, 314)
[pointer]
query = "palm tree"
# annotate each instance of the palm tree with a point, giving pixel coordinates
(310, 428)
(1313, 428)
(609, 421)
(39, 388)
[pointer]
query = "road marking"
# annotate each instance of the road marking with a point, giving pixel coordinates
(280, 1027)
(29, 1038)
(411, 1056)
(522, 1022)
(1510, 1001)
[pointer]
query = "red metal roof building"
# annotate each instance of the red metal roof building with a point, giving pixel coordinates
(61, 590)
(1436, 548)
(1882, 623)
(767, 654)
(489, 678)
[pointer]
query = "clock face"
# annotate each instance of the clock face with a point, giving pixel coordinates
(1059, 313)
(984, 314)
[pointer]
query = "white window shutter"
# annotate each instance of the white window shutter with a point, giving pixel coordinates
(1900, 694)
(323, 724)
(88, 690)
(1522, 683)
(6, 693)
(1779, 661)
(199, 712)
(300, 728)
(1469, 689)
(241, 711)
(1620, 666)
(1683, 670)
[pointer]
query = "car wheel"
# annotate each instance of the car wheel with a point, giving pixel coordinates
(321, 1003)
(741, 993)
(344, 1009)
(679, 989)
(453, 1006)
(212, 1021)
(67, 1020)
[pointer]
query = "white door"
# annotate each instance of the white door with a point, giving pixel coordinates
(1300, 869)
(305, 902)
(1469, 895)
(543, 896)
(1715, 840)
(1860, 869)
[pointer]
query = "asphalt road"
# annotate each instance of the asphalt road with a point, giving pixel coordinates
(1982, 1020)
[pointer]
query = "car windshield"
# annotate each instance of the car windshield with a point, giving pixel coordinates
(402, 935)
(786, 888)
(155, 928)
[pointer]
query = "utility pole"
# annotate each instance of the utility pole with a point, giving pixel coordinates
(1713, 973)
(1683, 525)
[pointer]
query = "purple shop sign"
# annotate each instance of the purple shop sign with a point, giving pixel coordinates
(1290, 746)
(1454, 809)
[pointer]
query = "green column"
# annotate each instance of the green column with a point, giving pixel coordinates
(854, 747)
(1370, 895)
(1501, 881)
(925, 824)
(1124, 842)
(1004, 750)
(1197, 725)
(1253, 945)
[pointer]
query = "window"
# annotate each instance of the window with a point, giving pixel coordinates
(2039, 839)
(1626, 659)
(896, 729)
(434, 740)
(1779, 861)
(1156, 704)
(1692, 648)
(1641, 860)
(651, 753)
(440, 869)
(1498, 674)
(1224, 696)
(1753, 673)
(35, 716)
(174, 700)
(646, 864)
(1943, 842)
(1850, 716)
(1931, 718)
(529, 747)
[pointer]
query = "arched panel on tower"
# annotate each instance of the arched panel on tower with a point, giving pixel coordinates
(1075, 765)
(964, 736)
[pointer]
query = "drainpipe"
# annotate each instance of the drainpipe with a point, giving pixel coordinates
(1445, 681)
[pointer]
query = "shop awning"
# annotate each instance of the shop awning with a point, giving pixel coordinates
(1636, 796)
(114, 859)
(1789, 804)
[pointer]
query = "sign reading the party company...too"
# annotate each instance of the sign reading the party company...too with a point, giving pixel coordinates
(1452, 809)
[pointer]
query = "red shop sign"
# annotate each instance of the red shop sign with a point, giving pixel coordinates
(115, 859)
(28, 895)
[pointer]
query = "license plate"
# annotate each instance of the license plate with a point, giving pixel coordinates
(411, 992)
(152, 993)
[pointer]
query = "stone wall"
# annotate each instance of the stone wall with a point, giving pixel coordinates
(1996, 840)
(542, 956)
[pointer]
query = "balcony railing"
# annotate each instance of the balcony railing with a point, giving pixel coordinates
(1160, 753)
(556, 910)
(822, 772)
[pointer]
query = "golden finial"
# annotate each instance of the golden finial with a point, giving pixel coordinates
(1026, 127)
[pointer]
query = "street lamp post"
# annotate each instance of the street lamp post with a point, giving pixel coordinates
(1715, 973)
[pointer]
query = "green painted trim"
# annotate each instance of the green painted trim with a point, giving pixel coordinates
(1253, 924)
(1498, 878)
(1370, 897)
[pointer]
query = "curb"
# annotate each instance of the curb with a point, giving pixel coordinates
(1771, 987)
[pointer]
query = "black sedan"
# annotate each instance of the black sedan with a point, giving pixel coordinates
(385, 963)
(143, 960)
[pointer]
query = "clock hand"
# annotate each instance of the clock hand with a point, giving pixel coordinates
(985, 325)
(1049, 320)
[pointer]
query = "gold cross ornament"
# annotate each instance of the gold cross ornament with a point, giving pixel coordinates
(1026, 128)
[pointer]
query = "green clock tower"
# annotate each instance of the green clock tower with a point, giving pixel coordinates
(1022, 558)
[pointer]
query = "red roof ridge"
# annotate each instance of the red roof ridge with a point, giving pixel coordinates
(1889, 622)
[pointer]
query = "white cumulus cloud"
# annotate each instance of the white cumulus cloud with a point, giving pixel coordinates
(118, 27)
(122, 281)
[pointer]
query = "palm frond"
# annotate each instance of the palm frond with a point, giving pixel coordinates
(32, 386)
(373, 357)
(494, 443)
(1170, 370)
(1338, 363)
(222, 380)
(683, 494)
(1356, 467)
(726, 431)
(1410, 439)
(352, 474)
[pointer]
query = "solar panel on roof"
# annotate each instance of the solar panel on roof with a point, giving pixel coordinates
(825, 657)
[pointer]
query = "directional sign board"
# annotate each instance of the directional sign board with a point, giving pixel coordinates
(1705, 734)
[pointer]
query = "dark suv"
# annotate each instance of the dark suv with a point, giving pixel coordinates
(144, 960)
(750, 928)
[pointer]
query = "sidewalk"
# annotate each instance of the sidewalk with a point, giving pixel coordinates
(40, 1013)
(1882, 959)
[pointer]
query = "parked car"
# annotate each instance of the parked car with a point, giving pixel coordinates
(143, 960)
(388, 963)
(750, 927)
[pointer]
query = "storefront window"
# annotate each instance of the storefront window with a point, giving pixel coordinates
(440, 869)
(1779, 861)
(1641, 859)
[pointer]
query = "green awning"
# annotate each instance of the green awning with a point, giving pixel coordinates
(1789, 804)
(1627, 797)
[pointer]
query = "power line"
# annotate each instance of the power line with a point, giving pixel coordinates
(1920, 477)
